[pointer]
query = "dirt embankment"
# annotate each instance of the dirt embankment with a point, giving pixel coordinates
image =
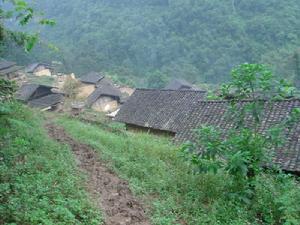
(110, 193)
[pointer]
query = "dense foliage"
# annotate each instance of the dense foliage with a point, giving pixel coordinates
(39, 182)
(198, 40)
(22, 14)
(160, 176)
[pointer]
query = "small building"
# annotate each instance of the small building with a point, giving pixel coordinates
(39, 69)
(40, 96)
(88, 84)
(179, 84)
(158, 111)
(9, 70)
(217, 114)
(105, 98)
(179, 113)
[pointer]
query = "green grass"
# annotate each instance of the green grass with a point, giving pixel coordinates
(39, 181)
(159, 175)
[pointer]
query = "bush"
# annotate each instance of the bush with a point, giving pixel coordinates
(71, 87)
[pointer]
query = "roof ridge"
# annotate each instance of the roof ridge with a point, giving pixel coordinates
(185, 90)
(249, 100)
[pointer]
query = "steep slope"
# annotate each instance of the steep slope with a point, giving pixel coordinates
(198, 40)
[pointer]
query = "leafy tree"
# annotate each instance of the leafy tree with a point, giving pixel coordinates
(70, 87)
(296, 60)
(23, 13)
(157, 80)
(243, 150)
(197, 40)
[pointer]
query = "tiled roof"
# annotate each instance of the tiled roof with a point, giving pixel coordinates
(29, 91)
(92, 78)
(6, 64)
(159, 109)
(46, 101)
(26, 91)
(30, 68)
(104, 87)
(10, 70)
(182, 112)
(216, 113)
(7, 67)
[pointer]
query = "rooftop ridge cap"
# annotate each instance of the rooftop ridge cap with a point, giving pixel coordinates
(153, 89)
(249, 100)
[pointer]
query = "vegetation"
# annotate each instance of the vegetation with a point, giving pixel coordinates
(70, 87)
(39, 182)
(197, 40)
(22, 13)
(158, 173)
(244, 149)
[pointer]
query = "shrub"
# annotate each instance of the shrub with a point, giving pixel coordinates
(70, 87)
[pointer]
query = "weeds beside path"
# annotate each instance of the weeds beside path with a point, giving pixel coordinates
(112, 194)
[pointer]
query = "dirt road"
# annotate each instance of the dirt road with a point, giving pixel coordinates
(110, 193)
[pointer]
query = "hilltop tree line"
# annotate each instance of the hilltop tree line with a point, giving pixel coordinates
(199, 40)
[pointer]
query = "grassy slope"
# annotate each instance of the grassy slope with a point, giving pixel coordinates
(39, 183)
(157, 173)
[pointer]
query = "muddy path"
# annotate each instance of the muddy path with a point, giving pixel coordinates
(110, 193)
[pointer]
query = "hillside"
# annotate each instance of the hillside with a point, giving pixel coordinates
(198, 40)
(179, 156)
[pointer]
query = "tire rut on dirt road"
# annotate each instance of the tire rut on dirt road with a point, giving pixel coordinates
(111, 194)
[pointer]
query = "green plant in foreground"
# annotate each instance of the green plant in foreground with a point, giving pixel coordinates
(241, 151)
(158, 174)
(23, 14)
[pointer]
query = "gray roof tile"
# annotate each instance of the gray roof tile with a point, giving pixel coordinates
(46, 101)
(181, 112)
(159, 109)
(216, 113)
(92, 78)
(104, 88)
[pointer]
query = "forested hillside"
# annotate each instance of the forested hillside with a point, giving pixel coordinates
(200, 40)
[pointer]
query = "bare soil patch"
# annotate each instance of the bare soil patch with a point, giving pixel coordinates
(111, 194)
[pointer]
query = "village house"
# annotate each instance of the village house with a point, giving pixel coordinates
(180, 114)
(106, 97)
(88, 84)
(40, 96)
(158, 111)
(39, 69)
(9, 70)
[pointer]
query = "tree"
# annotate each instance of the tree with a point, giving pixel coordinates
(195, 40)
(243, 150)
(23, 13)
(296, 59)
(157, 80)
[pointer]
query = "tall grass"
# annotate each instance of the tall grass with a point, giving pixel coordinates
(39, 182)
(162, 178)
(159, 175)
